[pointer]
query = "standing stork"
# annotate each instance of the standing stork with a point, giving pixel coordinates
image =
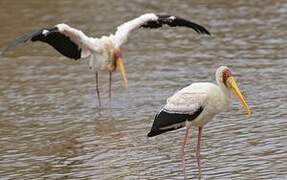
(196, 105)
(103, 53)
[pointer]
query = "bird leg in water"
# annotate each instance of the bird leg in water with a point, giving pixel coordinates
(97, 88)
(110, 87)
(182, 154)
(198, 151)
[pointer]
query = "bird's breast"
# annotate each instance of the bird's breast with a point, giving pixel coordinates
(102, 61)
(216, 102)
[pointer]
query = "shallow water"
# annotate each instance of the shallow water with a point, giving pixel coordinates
(50, 123)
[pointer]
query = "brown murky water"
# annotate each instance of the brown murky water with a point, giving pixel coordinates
(51, 127)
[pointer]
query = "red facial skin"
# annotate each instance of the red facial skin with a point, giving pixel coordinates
(225, 75)
(116, 55)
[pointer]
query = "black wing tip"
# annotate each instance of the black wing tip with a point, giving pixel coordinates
(155, 132)
(198, 28)
(203, 30)
(21, 39)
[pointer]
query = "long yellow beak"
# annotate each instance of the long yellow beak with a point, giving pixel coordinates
(231, 83)
(121, 68)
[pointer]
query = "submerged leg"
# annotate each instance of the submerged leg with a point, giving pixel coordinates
(198, 152)
(182, 154)
(97, 88)
(110, 87)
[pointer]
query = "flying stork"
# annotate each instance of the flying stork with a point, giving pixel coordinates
(104, 53)
(195, 105)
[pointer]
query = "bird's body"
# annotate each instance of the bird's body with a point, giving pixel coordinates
(103, 53)
(196, 105)
(207, 98)
(207, 95)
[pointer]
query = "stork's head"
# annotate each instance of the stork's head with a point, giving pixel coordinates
(225, 79)
(117, 63)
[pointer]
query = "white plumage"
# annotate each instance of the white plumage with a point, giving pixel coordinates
(125, 29)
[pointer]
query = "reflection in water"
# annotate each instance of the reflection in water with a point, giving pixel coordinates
(51, 126)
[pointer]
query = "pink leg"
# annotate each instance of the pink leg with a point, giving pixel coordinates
(182, 154)
(97, 88)
(110, 87)
(198, 152)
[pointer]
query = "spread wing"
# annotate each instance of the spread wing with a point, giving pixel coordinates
(185, 105)
(154, 21)
(68, 41)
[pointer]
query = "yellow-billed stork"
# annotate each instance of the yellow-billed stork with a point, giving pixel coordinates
(195, 105)
(103, 53)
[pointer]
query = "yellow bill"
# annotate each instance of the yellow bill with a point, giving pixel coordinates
(121, 68)
(231, 83)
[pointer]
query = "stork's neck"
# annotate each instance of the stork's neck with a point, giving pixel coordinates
(224, 89)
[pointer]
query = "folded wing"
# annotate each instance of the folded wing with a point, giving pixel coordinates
(168, 121)
(181, 107)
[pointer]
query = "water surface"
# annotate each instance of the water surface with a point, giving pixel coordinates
(51, 126)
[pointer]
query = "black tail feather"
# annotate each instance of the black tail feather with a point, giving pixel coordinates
(156, 131)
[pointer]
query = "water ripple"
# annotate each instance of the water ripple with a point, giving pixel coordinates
(51, 126)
